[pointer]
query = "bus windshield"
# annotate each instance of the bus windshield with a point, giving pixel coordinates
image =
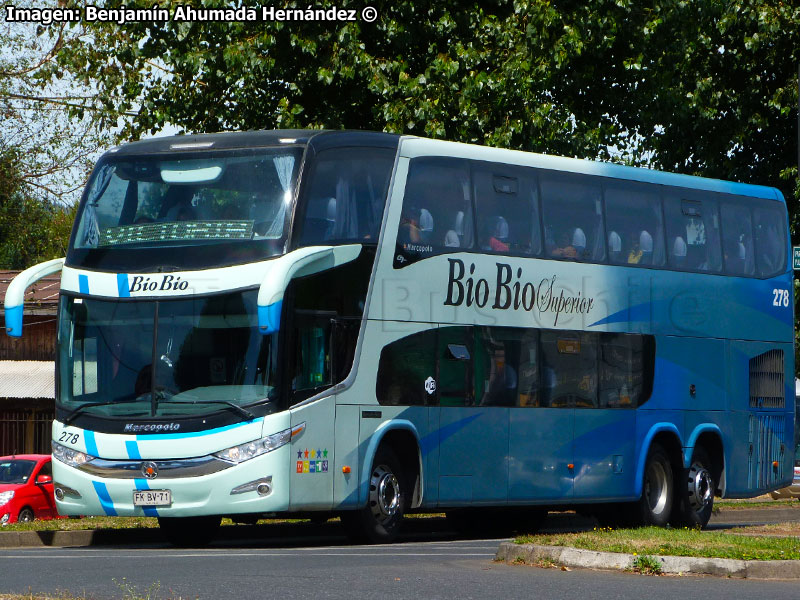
(234, 198)
(164, 358)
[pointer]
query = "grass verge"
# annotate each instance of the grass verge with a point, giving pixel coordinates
(654, 541)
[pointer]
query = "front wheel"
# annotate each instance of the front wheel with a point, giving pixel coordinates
(695, 493)
(25, 515)
(380, 520)
(189, 531)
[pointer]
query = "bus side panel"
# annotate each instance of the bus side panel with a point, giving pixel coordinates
(604, 453)
(689, 374)
(312, 456)
(346, 453)
(540, 440)
(766, 432)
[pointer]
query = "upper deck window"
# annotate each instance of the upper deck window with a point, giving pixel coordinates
(770, 231)
(573, 218)
(508, 209)
(344, 199)
(634, 224)
(437, 210)
(693, 233)
(233, 197)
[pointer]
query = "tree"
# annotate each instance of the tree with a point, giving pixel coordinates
(32, 228)
(704, 87)
(40, 104)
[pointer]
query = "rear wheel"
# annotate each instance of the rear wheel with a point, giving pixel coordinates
(189, 531)
(25, 515)
(696, 489)
(380, 520)
(655, 505)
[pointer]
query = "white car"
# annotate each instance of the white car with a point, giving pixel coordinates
(793, 491)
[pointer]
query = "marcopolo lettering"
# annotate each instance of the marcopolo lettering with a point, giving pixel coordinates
(150, 427)
(512, 291)
(168, 283)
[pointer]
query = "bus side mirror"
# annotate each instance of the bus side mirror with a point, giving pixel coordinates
(299, 263)
(15, 294)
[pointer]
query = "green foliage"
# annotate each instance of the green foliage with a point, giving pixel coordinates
(655, 541)
(32, 229)
(646, 565)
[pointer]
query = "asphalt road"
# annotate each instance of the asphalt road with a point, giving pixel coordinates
(306, 561)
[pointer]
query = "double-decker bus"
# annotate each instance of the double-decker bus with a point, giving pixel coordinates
(364, 325)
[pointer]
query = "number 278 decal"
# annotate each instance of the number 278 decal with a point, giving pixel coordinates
(780, 297)
(70, 438)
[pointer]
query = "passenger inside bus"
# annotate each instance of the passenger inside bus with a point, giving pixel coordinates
(498, 235)
(642, 250)
(678, 254)
(575, 249)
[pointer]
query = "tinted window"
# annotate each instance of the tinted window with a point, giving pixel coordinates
(693, 240)
(437, 209)
(455, 366)
(626, 370)
(737, 239)
(346, 195)
(506, 366)
(770, 231)
(405, 366)
(507, 209)
(634, 225)
(569, 369)
(573, 219)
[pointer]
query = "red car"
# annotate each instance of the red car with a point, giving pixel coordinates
(26, 488)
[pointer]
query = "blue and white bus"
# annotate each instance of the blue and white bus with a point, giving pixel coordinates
(364, 325)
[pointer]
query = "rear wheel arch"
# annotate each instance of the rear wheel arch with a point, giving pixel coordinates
(709, 440)
(667, 437)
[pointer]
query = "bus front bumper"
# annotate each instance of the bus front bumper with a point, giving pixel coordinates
(259, 485)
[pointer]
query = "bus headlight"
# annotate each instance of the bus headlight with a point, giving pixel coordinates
(71, 457)
(244, 452)
(5, 497)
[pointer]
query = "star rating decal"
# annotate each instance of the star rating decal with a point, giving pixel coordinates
(312, 460)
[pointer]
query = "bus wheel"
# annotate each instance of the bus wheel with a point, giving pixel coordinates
(696, 493)
(189, 531)
(655, 504)
(379, 521)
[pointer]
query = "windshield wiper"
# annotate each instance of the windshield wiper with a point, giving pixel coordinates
(86, 405)
(241, 410)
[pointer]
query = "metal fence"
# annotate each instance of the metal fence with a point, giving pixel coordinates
(25, 431)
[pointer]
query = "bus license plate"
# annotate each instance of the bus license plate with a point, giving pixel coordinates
(152, 498)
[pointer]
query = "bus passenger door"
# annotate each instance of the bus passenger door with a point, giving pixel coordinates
(473, 439)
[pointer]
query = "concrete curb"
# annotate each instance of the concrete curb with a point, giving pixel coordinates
(590, 559)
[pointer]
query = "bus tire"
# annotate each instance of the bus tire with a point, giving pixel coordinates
(655, 505)
(188, 532)
(696, 486)
(380, 520)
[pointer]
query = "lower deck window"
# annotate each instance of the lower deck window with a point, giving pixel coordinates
(517, 367)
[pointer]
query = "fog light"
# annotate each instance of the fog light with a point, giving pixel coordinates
(263, 486)
(61, 491)
(4, 518)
